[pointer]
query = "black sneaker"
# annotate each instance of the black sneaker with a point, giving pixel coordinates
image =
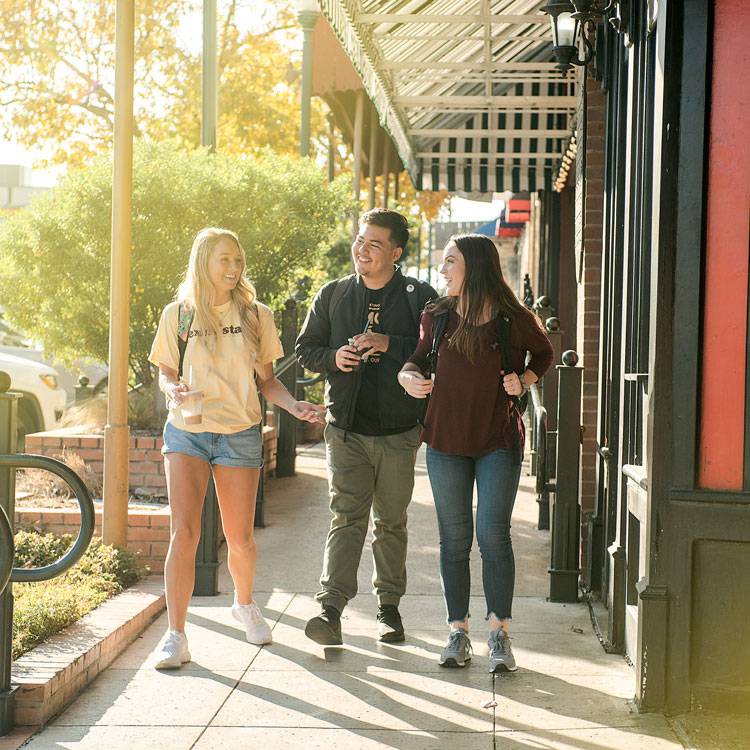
(325, 629)
(390, 627)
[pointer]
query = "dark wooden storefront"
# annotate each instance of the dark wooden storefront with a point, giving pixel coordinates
(669, 542)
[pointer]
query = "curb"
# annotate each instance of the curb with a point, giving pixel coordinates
(52, 674)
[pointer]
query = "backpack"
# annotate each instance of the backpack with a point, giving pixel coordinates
(342, 286)
(502, 331)
(184, 321)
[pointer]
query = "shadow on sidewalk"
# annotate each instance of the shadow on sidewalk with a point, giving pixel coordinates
(391, 681)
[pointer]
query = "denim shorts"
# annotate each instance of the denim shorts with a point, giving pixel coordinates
(243, 449)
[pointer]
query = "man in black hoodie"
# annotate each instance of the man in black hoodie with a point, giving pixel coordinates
(359, 332)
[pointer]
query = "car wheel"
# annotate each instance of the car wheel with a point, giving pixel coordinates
(26, 423)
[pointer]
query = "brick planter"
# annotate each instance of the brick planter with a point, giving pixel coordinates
(51, 675)
(146, 462)
(148, 529)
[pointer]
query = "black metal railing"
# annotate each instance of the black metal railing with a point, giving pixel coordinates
(565, 515)
(7, 550)
(9, 463)
(539, 455)
(74, 554)
(555, 455)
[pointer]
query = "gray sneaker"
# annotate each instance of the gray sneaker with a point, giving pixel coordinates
(501, 655)
(458, 650)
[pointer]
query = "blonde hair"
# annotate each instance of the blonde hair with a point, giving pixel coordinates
(197, 290)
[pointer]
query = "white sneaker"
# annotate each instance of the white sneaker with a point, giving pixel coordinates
(173, 652)
(257, 631)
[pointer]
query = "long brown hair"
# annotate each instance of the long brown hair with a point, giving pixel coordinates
(483, 285)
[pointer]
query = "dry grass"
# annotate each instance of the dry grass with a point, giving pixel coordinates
(89, 417)
(45, 485)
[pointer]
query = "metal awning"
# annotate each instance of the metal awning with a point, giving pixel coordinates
(467, 89)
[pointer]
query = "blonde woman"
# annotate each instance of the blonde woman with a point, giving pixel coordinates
(230, 342)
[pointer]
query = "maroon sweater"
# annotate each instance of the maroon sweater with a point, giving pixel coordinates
(469, 413)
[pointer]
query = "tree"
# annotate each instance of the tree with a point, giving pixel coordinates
(57, 76)
(54, 257)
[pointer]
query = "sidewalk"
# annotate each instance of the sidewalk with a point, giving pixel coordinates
(566, 694)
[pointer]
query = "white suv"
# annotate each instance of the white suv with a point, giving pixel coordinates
(43, 400)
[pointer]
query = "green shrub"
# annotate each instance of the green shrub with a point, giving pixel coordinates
(42, 609)
(110, 569)
(283, 208)
(314, 393)
(34, 550)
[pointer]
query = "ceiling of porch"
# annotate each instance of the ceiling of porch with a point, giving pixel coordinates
(467, 89)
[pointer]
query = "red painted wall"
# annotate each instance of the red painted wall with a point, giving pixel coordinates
(721, 447)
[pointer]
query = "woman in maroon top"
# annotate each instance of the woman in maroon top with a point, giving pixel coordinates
(474, 433)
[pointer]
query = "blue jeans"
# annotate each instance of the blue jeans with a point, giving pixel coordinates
(452, 479)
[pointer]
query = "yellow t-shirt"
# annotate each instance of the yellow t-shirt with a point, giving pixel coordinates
(226, 376)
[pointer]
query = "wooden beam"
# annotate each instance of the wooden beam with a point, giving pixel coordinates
(479, 65)
(497, 102)
(374, 130)
(386, 167)
(479, 133)
(359, 116)
(405, 78)
(487, 67)
(389, 36)
(376, 18)
(501, 156)
(117, 431)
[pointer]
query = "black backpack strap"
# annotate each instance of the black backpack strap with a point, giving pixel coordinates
(415, 298)
(503, 323)
(184, 321)
(439, 324)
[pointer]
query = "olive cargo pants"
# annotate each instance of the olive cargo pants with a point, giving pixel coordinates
(367, 473)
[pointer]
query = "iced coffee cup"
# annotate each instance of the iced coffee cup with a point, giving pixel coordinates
(192, 407)
(351, 343)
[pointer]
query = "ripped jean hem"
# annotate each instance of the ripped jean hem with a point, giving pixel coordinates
(507, 618)
(450, 620)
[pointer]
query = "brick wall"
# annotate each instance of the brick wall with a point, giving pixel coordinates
(148, 530)
(589, 232)
(146, 464)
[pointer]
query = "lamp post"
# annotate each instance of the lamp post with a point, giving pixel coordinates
(307, 15)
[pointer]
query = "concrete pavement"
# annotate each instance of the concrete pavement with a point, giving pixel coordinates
(566, 694)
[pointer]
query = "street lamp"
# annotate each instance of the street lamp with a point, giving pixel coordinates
(307, 14)
(566, 23)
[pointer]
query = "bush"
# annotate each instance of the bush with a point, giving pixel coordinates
(55, 256)
(35, 550)
(42, 609)
(110, 569)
